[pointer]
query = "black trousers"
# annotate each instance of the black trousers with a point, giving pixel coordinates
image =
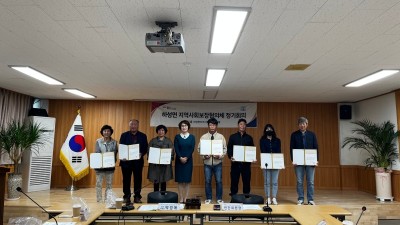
(163, 186)
(237, 169)
(129, 167)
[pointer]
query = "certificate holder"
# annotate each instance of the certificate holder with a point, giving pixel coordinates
(129, 152)
(211, 147)
(160, 155)
(102, 160)
(306, 157)
(244, 153)
(273, 160)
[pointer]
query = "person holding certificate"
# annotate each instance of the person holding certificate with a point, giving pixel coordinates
(212, 148)
(135, 166)
(304, 139)
(103, 145)
(269, 143)
(184, 144)
(160, 173)
(240, 138)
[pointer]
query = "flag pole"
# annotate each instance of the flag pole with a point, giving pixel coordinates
(72, 187)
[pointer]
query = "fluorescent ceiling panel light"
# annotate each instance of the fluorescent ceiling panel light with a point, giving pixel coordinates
(79, 93)
(228, 24)
(371, 78)
(214, 77)
(37, 75)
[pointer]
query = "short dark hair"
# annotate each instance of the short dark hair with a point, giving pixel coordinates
(242, 120)
(159, 127)
(106, 127)
(184, 122)
(212, 120)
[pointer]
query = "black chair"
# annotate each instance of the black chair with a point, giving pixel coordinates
(162, 197)
(247, 199)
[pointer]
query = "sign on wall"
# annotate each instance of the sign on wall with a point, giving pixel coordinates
(227, 114)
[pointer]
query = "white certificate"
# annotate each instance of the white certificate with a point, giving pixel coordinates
(311, 157)
(244, 153)
(211, 147)
(160, 155)
(306, 157)
(129, 152)
(102, 160)
(278, 161)
(266, 160)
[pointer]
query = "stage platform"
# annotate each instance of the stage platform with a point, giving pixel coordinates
(349, 200)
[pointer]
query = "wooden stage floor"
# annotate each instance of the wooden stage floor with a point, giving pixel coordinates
(350, 200)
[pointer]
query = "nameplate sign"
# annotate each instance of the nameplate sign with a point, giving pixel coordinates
(168, 206)
(232, 206)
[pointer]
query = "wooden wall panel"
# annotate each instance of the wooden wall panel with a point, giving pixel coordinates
(322, 120)
(366, 180)
(396, 185)
(349, 176)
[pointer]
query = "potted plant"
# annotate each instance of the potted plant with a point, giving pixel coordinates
(379, 141)
(16, 138)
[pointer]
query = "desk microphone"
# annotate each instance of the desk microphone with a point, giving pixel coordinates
(362, 211)
(266, 165)
(19, 189)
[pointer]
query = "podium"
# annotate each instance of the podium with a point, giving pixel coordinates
(3, 172)
(162, 197)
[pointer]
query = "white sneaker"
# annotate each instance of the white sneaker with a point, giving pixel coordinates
(311, 202)
(274, 202)
(268, 202)
(300, 202)
(208, 201)
(220, 201)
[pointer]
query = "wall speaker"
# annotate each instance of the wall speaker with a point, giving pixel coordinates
(345, 112)
(38, 112)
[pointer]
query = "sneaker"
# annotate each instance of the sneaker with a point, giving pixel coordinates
(274, 202)
(311, 202)
(137, 200)
(208, 201)
(268, 202)
(300, 202)
(220, 201)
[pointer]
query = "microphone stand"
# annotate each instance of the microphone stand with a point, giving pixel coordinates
(19, 189)
(267, 208)
(362, 211)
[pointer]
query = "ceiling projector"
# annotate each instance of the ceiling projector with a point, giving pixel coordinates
(165, 40)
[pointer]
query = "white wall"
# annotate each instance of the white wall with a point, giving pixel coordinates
(379, 109)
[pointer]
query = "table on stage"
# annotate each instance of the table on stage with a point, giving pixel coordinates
(304, 215)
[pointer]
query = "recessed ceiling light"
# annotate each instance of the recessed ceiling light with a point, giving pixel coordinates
(79, 93)
(37, 75)
(214, 77)
(227, 26)
(371, 78)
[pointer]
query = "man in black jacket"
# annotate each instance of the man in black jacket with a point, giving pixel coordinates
(133, 136)
(237, 168)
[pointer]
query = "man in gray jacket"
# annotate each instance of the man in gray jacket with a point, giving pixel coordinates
(213, 163)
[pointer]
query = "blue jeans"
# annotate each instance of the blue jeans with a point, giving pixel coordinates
(309, 172)
(268, 176)
(208, 173)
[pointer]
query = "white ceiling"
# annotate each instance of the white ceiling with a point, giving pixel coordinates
(98, 47)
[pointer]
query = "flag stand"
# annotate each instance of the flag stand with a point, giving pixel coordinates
(72, 187)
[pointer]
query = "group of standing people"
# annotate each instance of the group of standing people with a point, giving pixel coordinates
(183, 147)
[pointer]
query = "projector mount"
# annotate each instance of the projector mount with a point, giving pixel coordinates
(166, 31)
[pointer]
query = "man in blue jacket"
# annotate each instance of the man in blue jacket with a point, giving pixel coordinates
(304, 139)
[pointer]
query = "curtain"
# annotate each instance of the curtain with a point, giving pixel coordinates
(13, 106)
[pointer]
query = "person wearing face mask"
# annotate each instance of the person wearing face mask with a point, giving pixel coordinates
(269, 143)
(304, 139)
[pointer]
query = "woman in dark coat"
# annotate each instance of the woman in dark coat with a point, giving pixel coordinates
(184, 144)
